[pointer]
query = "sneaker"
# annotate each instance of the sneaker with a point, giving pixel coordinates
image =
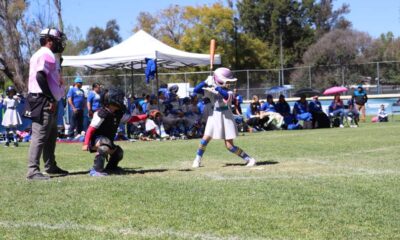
(341, 126)
(38, 176)
(56, 170)
(196, 162)
(7, 144)
(251, 162)
(95, 173)
(113, 170)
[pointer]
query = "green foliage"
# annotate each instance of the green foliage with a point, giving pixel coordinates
(335, 51)
(309, 184)
(99, 39)
(299, 22)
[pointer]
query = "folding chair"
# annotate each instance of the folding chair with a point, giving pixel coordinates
(395, 109)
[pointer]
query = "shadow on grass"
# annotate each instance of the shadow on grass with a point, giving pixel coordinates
(120, 171)
(128, 171)
(257, 164)
(185, 170)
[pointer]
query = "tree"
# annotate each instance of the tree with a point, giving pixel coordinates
(148, 23)
(335, 51)
(300, 24)
(99, 39)
(11, 12)
(325, 18)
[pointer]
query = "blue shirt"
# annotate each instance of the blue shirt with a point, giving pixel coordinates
(94, 100)
(78, 97)
(268, 107)
(252, 109)
(300, 107)
(239, 98)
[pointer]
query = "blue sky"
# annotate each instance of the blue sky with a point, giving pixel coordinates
(372, 16)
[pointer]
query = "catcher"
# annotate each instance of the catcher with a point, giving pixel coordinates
(102, 129)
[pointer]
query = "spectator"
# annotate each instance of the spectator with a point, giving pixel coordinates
(11, 118)
(352, 113)
(93, 100)
(319, 118)
(382, 114)
(268, 110)
(76, 100)
(397, 103)
(336, 109)
(283, 108)
(360, 98)
(45, 87)
(253, 115)
(237, 101)
(301, 110)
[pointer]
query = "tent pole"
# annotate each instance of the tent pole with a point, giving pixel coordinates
(132, 89)
(156, 92)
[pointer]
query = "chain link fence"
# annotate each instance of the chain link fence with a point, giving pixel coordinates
(376, 77)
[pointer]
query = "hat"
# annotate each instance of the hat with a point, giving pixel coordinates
(78, 80)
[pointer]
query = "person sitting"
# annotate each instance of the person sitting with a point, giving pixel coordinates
(382, 114)
(336, 110)
(253, 115)
(352, 113)
(319, 118)
(301, 111)
(283, 108)
(275, 120)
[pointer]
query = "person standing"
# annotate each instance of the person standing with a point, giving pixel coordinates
(221, 124)
(45, 88)
(11, 118)
(76, 100)
(360, 98)
(93, 100)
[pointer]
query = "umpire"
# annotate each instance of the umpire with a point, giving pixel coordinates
(45, 89)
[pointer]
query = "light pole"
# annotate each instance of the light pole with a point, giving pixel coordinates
(281, 75)
(236, 20)
(282, 21)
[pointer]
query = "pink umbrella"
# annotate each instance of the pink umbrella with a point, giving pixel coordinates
(335, 90)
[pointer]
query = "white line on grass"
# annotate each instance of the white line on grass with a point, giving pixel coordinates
(118, 231)
(356, 172)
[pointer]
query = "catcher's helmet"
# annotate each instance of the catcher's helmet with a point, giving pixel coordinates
(114, 96)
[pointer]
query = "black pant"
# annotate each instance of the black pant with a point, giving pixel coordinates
(76, 123)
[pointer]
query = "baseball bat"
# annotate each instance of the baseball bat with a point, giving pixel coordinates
(213, 45)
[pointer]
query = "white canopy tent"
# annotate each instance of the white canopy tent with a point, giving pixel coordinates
(131, 54)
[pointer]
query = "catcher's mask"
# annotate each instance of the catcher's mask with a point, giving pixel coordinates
(56, 36)
(116, 97)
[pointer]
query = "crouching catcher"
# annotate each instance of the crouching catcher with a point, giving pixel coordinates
(101, 132)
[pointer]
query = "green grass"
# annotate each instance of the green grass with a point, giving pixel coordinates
(309, 184)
